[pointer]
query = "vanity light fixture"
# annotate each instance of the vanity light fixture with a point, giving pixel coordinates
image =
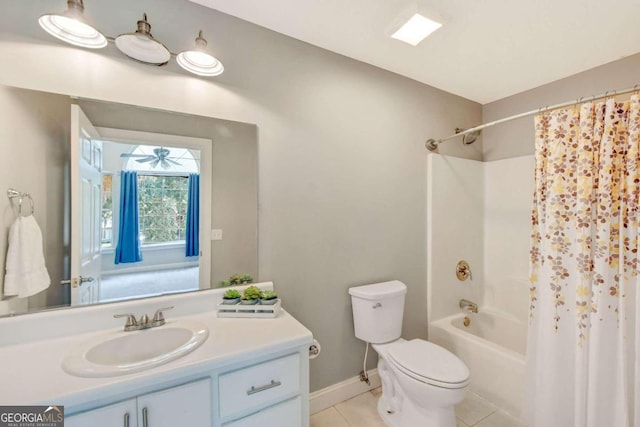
(141, 45)
(416, 29)
(198, 61)
(72, 27)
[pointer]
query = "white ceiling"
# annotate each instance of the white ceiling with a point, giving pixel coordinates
(487, 49)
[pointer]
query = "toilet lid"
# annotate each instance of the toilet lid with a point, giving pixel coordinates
(429, 363)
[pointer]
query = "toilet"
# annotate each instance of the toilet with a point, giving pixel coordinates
(421, 381)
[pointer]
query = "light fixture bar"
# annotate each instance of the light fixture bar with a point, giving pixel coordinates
(72, 27)
(416, 29)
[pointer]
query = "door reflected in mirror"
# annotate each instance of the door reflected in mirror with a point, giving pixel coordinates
(127, 197)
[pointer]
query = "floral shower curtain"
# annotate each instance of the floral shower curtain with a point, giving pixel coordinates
(583, 355)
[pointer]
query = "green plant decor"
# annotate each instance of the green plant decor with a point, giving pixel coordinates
(240, 279)
(231, 294)
(252, 293)
(269, 295)
(236, 280)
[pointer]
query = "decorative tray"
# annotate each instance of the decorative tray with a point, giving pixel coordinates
(250, 311)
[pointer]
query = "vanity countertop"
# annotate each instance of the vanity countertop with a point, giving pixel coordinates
(31, 372)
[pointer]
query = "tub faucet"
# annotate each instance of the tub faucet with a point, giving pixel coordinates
(468, 305)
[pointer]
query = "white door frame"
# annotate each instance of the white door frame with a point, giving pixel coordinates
(86, 183)
(205, 146)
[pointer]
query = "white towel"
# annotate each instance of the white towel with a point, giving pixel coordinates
(26, 273)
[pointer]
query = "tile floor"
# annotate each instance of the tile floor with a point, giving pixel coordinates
(361, 411)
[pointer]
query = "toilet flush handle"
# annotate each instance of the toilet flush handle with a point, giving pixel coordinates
(378, 305)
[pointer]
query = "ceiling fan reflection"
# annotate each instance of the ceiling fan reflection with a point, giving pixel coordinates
(160, 157)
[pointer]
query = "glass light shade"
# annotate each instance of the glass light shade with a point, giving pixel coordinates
(143, 49)
(141, 45)
(71, 27)
(198, 61)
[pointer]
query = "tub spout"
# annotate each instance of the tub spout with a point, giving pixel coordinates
(469, 306)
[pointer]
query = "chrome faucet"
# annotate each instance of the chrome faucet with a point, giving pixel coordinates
(144, 323)
(468, 305)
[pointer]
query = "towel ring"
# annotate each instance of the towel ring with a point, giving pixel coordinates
(28, 196)
(14, 194)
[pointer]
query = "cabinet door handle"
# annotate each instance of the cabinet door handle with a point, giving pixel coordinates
(255, 389)
(145, 417)
(126, 419)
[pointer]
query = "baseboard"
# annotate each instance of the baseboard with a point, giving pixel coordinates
(336, 393)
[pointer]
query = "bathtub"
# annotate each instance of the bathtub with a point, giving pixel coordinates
(493, 347)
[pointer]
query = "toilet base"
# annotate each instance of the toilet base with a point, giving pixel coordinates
(411, 415)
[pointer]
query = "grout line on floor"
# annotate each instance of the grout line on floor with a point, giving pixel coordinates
(482, 419)
(340, 413)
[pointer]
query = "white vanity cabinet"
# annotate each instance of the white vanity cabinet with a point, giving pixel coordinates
(116, 415)
(265, 392)
(247, 373)
(286, 414)
(255, 393)
(185, 405)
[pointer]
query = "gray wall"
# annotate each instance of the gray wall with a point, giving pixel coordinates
(341, 148)
(234, 188)
(34, 135)
(516, 138)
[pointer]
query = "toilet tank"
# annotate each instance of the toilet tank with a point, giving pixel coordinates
(378, 310)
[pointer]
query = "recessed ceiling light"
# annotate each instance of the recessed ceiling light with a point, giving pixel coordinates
(416, 29)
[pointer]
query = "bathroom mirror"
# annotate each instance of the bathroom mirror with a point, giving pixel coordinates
(164, 148)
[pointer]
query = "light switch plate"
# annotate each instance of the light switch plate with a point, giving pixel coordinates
(216, 234)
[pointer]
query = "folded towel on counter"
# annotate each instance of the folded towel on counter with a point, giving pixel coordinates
(26, 273)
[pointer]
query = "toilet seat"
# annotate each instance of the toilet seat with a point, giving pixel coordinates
(429, 363)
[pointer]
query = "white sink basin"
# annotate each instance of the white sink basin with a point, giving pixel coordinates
(119, 353)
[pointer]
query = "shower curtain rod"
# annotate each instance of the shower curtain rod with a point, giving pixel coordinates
(432, 144)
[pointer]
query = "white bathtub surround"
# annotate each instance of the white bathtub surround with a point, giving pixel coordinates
(454, 232)
(584, 335)
(493, 347)
(237, 353)
(481, 212)
(508, 187)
